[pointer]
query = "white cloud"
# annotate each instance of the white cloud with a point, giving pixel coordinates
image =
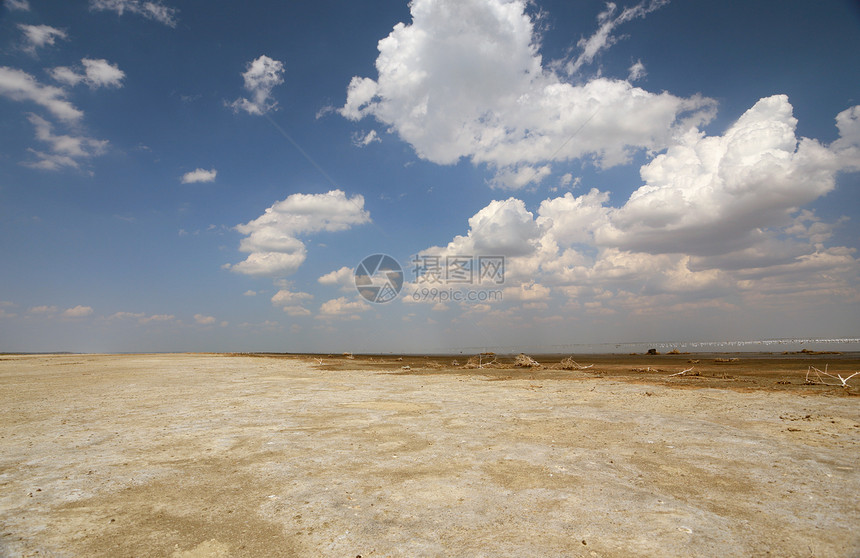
(95, 73)
(65, 150)
(291, 302)
(342, 307)
(363, 140)
(718, 220)
(847, 147)
(149, 9)
(502, 228)
(202, 319)
(465, 79)
(516, 177)
(21, 86)
(249, 293)
(709, 195)
(77, 312)
(262, 75)
(526, 292)
(344, 278)
(603, 37)
(637, 71)
(285, 297)
(157, 318)
(22, 5)
(199, 175)
(38, 36)
(272, 239)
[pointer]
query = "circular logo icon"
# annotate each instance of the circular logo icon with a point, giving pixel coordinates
(379, 278)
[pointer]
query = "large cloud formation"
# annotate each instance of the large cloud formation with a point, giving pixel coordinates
(716, 216)
(466, 79)
(272, 239)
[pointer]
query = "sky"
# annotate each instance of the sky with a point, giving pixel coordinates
(190, 175)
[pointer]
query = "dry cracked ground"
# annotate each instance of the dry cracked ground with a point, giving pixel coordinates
(214, 456)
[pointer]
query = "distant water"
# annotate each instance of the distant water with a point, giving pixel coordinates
(842, 344)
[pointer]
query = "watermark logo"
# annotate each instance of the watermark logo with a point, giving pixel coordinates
(379, 278)
(459, 270)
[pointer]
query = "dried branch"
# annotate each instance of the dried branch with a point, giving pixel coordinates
(682, 372)
(843, 382)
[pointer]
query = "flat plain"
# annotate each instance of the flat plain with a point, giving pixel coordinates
(210, 455)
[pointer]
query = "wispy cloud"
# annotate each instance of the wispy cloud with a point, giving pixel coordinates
(66, 150)
(153, 10)
(364, 139)
(95, 73)
(38, 36)
(603, 38)
(43, 310)
(21, 86)
(21, 5)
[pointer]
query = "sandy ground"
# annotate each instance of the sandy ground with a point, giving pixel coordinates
(214, 456)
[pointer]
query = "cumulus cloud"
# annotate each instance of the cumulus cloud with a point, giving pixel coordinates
(95, 73)
(717, 218)
(272, 239)
(21, 86)
(77, 312)
(291, 302)
(465, 79)
(199, 175)
(709, 195)
(342, 307)
(65, 150)
(38, 36)
(262, 75)
(502, 228)
(153, 10)
(344, 278)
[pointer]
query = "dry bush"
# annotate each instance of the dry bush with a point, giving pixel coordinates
(525, 361)
(482, 360)
(570, 364)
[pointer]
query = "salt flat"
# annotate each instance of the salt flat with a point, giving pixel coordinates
(213, 455)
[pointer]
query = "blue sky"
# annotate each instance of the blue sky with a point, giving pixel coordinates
(205, 176)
